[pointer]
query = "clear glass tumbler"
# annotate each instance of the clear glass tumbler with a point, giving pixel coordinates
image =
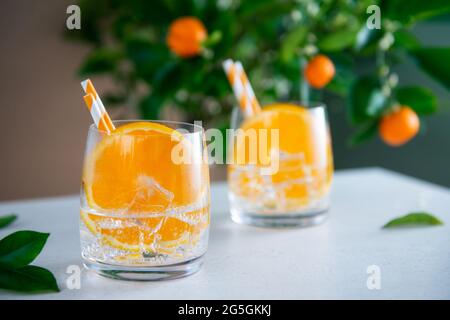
(280, 166)
(145, 200)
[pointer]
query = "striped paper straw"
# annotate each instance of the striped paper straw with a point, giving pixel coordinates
(247, 87)
(96, 107)
(238, 88)
(100, 119)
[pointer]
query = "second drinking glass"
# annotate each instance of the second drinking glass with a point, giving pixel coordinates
(280, 166)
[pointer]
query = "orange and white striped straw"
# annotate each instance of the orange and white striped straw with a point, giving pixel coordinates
(96, 107)
(247, 87)
(99, 118)
(234, 75)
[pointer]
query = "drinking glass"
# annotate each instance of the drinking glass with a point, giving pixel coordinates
(280, 166)
(145, 200)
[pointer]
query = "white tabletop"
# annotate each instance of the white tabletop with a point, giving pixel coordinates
(324, 262)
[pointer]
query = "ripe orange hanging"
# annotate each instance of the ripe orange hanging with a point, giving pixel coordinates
(185, 36)
(319, 71)
(399, 126)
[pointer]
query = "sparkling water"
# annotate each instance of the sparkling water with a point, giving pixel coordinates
(295, 188)
(101, 232)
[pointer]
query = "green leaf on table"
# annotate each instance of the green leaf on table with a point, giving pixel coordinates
(292, 41)
(435, 62)
(7, 220)
(337, 40)
(414, 219)
(419, 99)
(28, 279)
(366, 100)
(21, 248)
(100, 61)
(364, 134)
(409, 11)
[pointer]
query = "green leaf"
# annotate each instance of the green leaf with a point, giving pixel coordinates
(364, 134)
(213, 39)
(414, 219)
(419, 99)
(366, 100)
(337, 40)
(406, 40)
(100, 61)
(343, 79)
(366, 37)
(168, 77)
(292, 41)
(146, 56)
(6, 220)
(28, 279)
(436, 62)
(345, 75)
(258, 11)
(409, 11)
(376, 103)
(150, 107)
(21, 248)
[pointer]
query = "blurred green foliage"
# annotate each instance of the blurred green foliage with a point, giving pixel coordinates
(270, 38)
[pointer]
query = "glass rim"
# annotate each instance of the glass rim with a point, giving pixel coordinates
(196, 128)
(311, 105)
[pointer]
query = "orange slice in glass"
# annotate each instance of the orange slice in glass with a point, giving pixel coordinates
(148, 201)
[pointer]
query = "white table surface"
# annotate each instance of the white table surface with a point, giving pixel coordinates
(323, 262)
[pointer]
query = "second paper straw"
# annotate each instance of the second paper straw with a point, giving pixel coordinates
(247, 87)
(238, 88)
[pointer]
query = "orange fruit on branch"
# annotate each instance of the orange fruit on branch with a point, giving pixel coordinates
(319, 71)
(185, 36)
(399, 126)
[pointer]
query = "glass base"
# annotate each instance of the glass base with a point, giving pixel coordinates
(280, 220)
(140, 273)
